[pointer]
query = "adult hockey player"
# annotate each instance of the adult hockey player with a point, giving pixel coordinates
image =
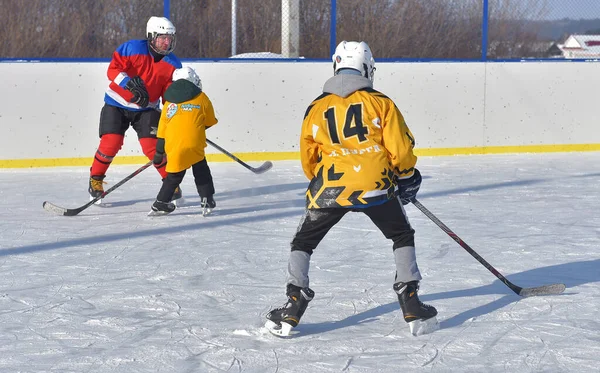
(186, 115)
(139, 72)
(355, 148)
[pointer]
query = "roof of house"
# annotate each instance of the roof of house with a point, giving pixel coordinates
(582, 45)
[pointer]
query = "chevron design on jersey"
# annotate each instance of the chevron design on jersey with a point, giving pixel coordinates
(355, 198)
(314, 187)
(319, 197)
(405, 171)
(332, 175)
(329, 196)
(386, 180)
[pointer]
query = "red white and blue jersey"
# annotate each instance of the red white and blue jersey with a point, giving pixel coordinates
(131, 59)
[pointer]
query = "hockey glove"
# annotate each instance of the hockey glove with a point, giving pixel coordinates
(408, 188)
(140, 95)
(159, 159)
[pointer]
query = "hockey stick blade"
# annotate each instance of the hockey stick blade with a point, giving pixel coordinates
(262, 168)
(257, 170)
(72, 212)
(543, 290)
(50, 207)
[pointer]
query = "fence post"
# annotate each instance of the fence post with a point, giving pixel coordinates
(484, 30)
(233, 27)
(290, 28)
(332, 25)
(167, 8)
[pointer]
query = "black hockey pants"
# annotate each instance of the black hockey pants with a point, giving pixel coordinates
(389, 217)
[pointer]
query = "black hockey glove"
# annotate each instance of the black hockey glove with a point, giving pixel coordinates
(408, 188)
(140, 95)
(160, 158)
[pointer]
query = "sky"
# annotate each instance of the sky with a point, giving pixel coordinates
(113, 290)
(574, 9)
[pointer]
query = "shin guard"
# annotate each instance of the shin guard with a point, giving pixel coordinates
(110, 144)
(149, 148)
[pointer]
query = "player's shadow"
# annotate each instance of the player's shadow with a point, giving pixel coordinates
(195, 208)
(130, 202)
(193, 200)
(571, 274)
(262, 190)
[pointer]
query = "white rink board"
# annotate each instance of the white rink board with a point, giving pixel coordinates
(51, 110)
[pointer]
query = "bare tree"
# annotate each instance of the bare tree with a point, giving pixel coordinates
(413, 28)
(440, 29)
(203, 28)
(315, 20)
(72, 28)
(510, 32)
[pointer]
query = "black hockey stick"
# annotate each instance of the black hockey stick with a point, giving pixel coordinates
(257, 170)
(524, 292)
(72, 212)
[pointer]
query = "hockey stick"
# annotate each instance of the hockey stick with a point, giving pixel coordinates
(524, 292)
(72, 212)
(257, 170)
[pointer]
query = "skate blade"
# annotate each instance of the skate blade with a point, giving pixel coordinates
(98, 202)
(281, 330)
(178, 202)
(206, 211)
(420, 327)
(158, 213)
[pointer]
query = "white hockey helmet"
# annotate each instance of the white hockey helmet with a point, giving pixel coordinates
(188, 74)
(354, 55)
(161, 35)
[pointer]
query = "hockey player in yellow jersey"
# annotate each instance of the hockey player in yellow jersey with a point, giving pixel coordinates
(186, 115)
(357, 152)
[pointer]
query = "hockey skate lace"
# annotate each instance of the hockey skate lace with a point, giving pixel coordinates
(283, 307)
(97, 185)
(426, 306)
(278, 310)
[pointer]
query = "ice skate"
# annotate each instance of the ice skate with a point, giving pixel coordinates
(419, 316)
(280, 321)
(96, 189)
(177, 199)
(207, 204)
(161, 208)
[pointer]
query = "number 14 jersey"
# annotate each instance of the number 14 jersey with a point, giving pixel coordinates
(350, 148)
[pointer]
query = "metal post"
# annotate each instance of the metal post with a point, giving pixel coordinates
(233, 27)
(332, 25)
(167, 8)
(290, 28)
(484, 30)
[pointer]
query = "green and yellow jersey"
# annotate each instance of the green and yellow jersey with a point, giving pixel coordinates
(186, 114)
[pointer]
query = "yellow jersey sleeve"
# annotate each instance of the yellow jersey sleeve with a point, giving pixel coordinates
(209, 112)
(399, 143)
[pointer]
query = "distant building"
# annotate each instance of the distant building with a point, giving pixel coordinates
(577, 46)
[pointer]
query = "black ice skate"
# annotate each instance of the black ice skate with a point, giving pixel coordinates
(419, 316)
(161, 208)
(96, 189)
(280, 321)
(177, 199)
(207, 204)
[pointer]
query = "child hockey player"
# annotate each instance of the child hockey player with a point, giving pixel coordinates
(355, 148)
(186, 115)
